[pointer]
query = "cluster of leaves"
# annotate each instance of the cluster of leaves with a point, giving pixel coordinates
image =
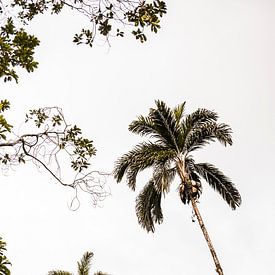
(56, 133)
(147, 15)
(70, 138)
(105, 16)
(4, 262)
(4, 126)
(29, 9)
(83, 148)
(16, 49)
(51, 143)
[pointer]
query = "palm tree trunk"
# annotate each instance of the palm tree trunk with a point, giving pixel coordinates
(185, 179)
(207, 238)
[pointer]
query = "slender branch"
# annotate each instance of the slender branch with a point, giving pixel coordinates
(9, 144)
(43, 164)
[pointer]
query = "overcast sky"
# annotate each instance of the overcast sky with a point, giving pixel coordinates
(214, 54)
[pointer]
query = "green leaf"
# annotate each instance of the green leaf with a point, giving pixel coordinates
(219, 182)
(148, 207)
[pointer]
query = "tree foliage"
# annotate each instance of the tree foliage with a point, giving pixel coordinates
(172, 137)
(4, 262)
(105, 20)
(16, 50)
(106, 17)
(48, 140)
(83, 266)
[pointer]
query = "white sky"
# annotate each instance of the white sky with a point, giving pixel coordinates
(213, 54)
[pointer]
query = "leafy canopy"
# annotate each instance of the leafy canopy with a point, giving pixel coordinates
(105, 20)
(16, 50)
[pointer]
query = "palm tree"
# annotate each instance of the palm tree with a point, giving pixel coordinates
(83, 266)
(4, 262)
(174, 136)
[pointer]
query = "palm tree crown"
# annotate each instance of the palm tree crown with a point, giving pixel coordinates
(173, 137)
(83, 266)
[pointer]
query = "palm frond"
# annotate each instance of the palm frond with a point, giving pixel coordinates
(190, 169)
(205, 133)
(189, 163)
(148, 207)
(223, 134)
(143, 155)
(160, 124)
(179, 112)
(163, 175)
(194, 120)
(201, 115)
(164, 119)
(144, 126)
(219, 182)
(2, 246)
(59, 272)
(85, 263)
(4, 262)
(4, 270)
